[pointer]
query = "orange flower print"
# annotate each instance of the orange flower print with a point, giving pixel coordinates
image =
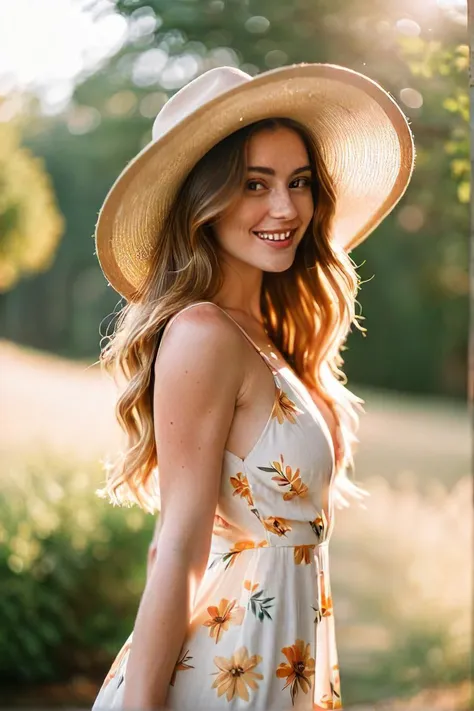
(251, 587)
(284, 408)
(236, 674)
(117, 663)
(274, 524)
(298, 670)
(239, 546)
(320, 525)
(327, 703)
(221, 617)
(287, 478)
(242, 488)
(326, 600)
(333, 700)
(302, 554)
(181, 665)
(221, 522)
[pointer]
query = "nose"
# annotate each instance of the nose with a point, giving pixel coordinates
(281, 204)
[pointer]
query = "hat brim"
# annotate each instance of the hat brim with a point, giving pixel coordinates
(363, 135)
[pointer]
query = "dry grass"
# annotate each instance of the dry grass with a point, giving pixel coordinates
(401, 574)
(458, 698)
(54, 406)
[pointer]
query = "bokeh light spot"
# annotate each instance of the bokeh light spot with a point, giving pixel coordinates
(257, 24)
(411, 218)
(407, 27)
(151, 104)
(82, 119)
(121, 103)
(411, 98)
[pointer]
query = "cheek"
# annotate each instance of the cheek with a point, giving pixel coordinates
(242, 220)
(251, 213)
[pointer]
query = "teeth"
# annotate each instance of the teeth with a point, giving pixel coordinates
(275, 236)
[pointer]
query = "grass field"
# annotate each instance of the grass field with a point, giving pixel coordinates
(66, 408)
(401, 567)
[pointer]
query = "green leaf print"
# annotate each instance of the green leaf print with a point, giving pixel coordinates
(260, 606)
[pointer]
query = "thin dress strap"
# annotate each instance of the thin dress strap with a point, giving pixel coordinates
(259, 350)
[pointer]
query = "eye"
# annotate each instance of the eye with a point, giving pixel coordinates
(252, 185)
(304, 182)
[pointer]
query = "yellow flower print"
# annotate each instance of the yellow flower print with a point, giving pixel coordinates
(287, 478)
(221, 617)
(239, 546)
(302, 554)
(284, 408)
(274, 524)
(181, 665)
(242, 487)
(236, 674)
(298, 670)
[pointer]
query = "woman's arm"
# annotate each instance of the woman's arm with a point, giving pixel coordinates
(151, 554)
(197, 383)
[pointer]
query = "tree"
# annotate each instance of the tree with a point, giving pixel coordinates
(30, 222)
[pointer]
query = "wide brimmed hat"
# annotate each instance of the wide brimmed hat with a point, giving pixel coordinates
(363, 136)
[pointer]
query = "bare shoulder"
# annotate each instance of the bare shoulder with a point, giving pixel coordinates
(203, 338)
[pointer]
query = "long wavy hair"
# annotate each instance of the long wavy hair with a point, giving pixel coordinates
(308, 311)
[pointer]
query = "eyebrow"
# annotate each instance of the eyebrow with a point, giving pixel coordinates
(270, 171)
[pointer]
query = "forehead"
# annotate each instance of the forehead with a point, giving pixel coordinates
(281, 146)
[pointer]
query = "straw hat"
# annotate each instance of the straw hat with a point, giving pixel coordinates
(363, 136)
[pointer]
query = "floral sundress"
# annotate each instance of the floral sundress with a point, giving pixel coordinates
(262, 633)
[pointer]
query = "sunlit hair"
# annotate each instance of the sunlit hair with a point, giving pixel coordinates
(307, 311)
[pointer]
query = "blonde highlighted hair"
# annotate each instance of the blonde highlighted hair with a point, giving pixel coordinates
(307, 312)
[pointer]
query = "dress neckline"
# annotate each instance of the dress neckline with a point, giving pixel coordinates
(277, 373)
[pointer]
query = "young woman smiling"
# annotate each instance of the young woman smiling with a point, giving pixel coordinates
(229, 237)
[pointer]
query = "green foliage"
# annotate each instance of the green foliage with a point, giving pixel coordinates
(449, 65)
(30, 223)
(72, 568)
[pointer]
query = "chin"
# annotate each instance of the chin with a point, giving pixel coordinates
(277, 268)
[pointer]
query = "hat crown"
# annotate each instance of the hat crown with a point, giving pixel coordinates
(192, 96)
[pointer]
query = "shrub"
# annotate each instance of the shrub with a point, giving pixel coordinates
(72, 569)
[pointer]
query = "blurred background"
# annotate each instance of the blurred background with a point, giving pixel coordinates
(80, 84)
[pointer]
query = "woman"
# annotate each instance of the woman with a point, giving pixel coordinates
(232, 230)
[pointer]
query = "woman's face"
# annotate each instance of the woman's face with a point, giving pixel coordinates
(270, 216)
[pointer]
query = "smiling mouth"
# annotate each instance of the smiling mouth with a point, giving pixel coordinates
(276, 236)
